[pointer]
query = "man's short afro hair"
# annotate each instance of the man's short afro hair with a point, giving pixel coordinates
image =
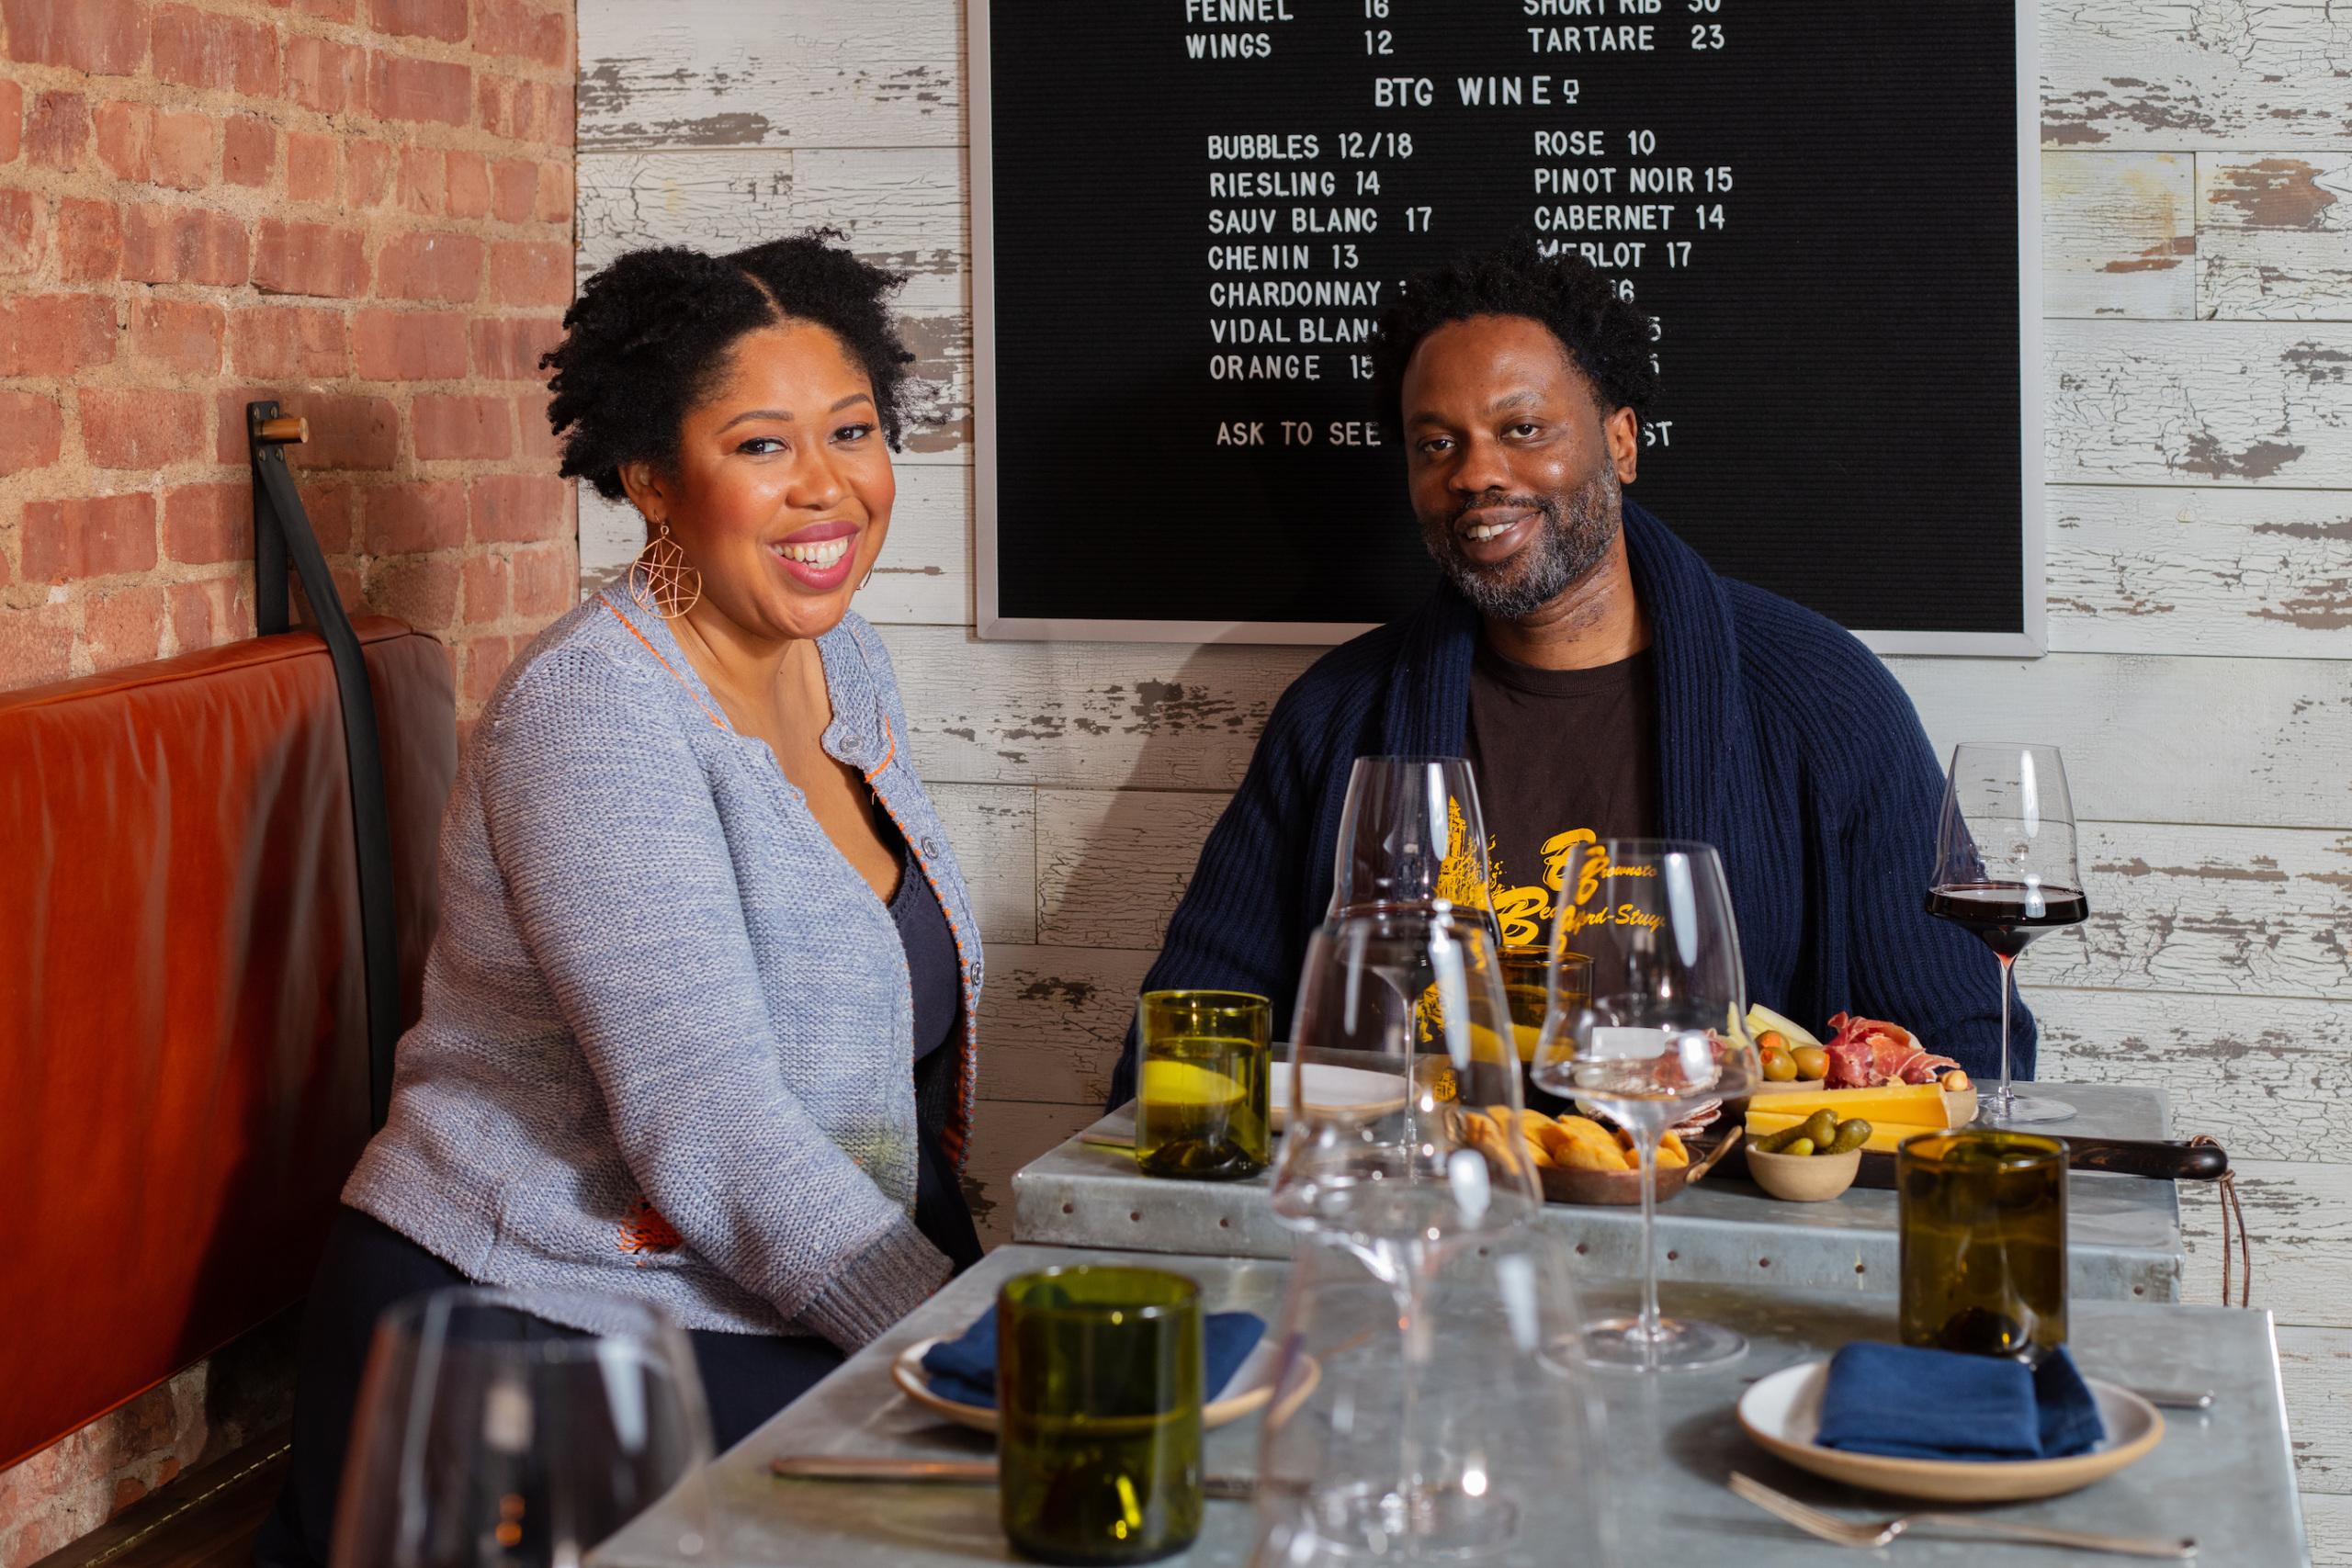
(1607, 337)
(650, 335)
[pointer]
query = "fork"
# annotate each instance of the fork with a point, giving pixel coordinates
(1839, 1532)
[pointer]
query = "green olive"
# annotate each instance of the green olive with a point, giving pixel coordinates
(1778, 1067)
(1850, 1135)
(1821, 1126)
(1777, 1142)
(1812, 1062)
(1799, 1147)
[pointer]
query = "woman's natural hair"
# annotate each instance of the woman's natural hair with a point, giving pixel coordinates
(1606, 336)
(651, 336)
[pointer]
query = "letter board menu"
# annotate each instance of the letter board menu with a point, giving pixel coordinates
(1188, 215)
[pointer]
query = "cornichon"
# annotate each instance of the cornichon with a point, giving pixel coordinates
(1777, 1142)
(1852, 1134)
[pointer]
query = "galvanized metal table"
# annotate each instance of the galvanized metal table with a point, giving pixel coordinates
(2225, 1476)
(2123, 1231)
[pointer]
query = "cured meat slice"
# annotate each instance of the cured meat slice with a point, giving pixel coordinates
(1868, 1053)
(1850, 1064)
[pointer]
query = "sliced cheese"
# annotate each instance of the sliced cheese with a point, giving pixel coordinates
(1913, 1104)
(1883, 1140)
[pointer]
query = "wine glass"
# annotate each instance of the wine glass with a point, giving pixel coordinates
(2006, 872)
(1660, 1035)
(1403, 1066)
(1479, 1440)
(1411, 834)
(488, 1436)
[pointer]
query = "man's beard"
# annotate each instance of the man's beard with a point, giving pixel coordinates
(1569, 544)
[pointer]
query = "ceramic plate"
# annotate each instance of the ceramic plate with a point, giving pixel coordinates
(1783, 1414)
(1354, 1091)
(1251, 1386)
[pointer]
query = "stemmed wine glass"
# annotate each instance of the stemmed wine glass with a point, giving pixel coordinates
(488, 1435)
(1661, 1034)
(1402, 1061)
(1402, 1150)
(2006, 872)
(1411, 832)
(1475, 1440)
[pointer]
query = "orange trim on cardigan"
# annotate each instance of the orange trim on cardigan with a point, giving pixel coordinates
(631, 627)
(642, 1230)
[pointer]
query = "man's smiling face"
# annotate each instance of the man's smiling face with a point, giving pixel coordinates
(1514, 469)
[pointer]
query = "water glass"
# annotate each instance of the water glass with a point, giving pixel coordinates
(488, 1433)
(1984, 1242)
(1201, 1113)
(1099, 1376)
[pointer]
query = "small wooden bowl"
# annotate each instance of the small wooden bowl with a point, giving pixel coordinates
(1623, 1189)
(1803, 1178)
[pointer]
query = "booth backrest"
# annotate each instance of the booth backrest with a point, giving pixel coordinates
(183, 1035)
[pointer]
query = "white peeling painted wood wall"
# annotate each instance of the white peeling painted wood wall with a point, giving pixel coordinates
(2196, 195)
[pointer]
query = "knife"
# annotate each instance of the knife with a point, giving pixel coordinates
(949, 1472)
(2171, 1160)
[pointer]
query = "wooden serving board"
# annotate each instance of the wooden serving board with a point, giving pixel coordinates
(2159, 1159)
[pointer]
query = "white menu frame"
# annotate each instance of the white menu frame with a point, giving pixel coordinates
(2032, 642)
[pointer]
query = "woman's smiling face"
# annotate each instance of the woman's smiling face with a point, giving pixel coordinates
(782, 490)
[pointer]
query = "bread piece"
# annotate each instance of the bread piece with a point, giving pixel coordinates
(1671, 1150)
(1587, 1129)
(1583, 1154)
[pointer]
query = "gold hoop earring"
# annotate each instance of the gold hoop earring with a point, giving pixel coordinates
(657, 578)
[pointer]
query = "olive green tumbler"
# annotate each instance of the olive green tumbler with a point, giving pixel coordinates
(1099, 1395)
(1984, 1242)
(1201, 1101)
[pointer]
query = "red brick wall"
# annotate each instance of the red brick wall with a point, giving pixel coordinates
(361, 207)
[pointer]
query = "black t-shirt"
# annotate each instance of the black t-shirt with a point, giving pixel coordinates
(1563, 757)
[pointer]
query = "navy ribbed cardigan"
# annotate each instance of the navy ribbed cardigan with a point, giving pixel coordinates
(1783, 741)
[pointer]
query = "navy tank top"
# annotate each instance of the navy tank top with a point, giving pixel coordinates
(934, 970)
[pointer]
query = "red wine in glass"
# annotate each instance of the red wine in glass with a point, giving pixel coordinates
(2006, 915)
(2007, 871)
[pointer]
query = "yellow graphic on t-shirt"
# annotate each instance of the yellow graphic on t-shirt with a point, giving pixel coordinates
(1526, 912)
(1462, 876)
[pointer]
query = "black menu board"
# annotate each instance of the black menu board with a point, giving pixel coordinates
(1189, 214)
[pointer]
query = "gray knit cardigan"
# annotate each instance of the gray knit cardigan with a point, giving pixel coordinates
(666, 1050)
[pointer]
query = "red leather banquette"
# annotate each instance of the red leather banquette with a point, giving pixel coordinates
(183, 1036)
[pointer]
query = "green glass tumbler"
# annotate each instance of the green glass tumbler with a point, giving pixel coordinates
(1099, 1395)
(1201, 1110)
(1984, 1242)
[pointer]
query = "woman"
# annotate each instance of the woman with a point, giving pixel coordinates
(697, 1020)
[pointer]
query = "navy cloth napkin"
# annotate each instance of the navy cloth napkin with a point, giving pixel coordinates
(964, 1369)
(1915, 1404)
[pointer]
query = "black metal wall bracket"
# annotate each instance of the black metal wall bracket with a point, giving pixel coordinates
(282, 534)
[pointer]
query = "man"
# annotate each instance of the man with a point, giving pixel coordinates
(1604, 682)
